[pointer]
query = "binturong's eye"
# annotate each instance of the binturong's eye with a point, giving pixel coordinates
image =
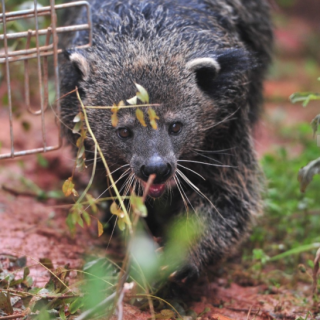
(124, 133)
(175, 128)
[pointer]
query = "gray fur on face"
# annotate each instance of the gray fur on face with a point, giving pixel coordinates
(203, 63)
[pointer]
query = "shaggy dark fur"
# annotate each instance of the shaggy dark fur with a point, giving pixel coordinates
(203, 61)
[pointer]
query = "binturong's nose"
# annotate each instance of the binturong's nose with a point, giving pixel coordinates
(157, 166)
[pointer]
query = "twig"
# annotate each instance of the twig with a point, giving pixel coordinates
(91, 178)
(19, 193)
(124, 107)
(123, 207)
(120, 305)
(27, 294)
(126, 261)
(148, 185)
(156, 298)
(14, 316)
(266, 312)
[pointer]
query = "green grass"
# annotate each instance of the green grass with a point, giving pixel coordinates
(291, 219)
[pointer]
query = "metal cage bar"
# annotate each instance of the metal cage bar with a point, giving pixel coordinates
(41, 54)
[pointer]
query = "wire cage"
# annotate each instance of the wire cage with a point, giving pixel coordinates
(29, 72)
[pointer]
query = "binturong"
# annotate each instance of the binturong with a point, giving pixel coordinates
(202, 63)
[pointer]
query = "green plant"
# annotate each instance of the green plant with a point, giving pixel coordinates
(307, 173)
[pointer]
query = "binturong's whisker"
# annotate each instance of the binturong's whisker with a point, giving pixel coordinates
(196, 189)
(208, 164)
(180, 165)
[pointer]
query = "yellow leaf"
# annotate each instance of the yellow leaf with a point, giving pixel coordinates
(117, 211)
(153, 124)
(79, 142)
(121, 224)
(68, 187)
(114, 119)
(114, 108)
(100, 229)
(140, 117)
(153, 117)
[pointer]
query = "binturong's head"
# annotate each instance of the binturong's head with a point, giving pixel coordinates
(190, 96)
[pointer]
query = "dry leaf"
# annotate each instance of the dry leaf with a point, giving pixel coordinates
(100, 229)
(68, 187)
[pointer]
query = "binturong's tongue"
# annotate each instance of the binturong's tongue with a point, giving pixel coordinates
(156, 190)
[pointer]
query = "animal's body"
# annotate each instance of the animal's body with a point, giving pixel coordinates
(203, 62)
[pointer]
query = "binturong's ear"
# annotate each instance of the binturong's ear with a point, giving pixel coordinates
(213, 75)
(206, 70)
(79, 63)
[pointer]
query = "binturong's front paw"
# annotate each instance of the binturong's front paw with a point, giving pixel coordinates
(187, 274)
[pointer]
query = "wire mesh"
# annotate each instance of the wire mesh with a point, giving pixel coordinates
(32, 53)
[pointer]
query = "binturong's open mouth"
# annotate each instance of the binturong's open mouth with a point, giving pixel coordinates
(155, 190)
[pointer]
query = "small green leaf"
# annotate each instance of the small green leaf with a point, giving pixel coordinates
(71, 225)
(42, 161)
(92, 203)
(80, 164)
(114, 209)
(43, 315)
(47, 263)
(62, 314)
(315, 124)
(26, 272)
(26, 126)
(78, 117)
(81, 152)
(86, 218)
(5, 303)
(80, 221)
(121, 224)
(138, 206)
(306, 173)
(304, 97)
(133, 100)
(76, 305)
(77, 127)
(142, 94)
(28, 282)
